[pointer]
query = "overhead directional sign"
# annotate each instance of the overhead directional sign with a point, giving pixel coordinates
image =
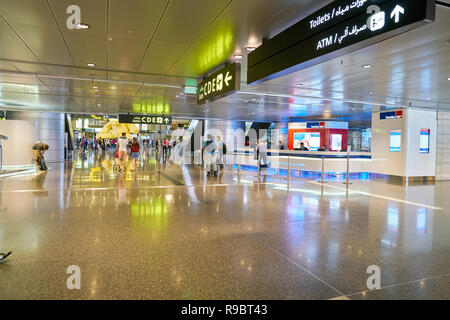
(341, 27)
(223, 82)
(145, 119)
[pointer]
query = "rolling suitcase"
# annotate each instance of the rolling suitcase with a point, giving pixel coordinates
(42, 165)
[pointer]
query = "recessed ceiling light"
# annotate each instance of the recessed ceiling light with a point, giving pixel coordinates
(83, 26)
(428, 99)
(238, 56)
(96, 90)
(99, 105)
(448, 78)
(370, 92)
(367, 66)
(90, 64)
(299, 85)
(250, 48)
(95, 87)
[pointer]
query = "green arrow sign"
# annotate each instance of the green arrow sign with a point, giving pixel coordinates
(223, 82)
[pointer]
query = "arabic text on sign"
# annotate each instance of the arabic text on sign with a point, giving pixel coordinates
(335, 13)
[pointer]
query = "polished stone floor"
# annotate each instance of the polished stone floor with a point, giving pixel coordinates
(170, 232)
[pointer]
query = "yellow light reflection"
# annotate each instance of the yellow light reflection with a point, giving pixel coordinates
(151, 215)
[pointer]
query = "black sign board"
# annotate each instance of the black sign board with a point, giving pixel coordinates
(223, 82)
(145, 119)
(341, 27)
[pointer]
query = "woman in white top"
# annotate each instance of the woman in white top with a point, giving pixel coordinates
(122, 145)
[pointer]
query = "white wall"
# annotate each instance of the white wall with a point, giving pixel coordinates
(22, 136)
(409, 162)
(421, 164)
(384, 161)
(443, 146)
(51, 131)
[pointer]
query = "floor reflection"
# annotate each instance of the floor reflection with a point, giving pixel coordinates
(234, 236)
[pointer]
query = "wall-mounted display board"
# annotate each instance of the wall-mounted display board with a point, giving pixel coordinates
(395, 141)
(425, 140)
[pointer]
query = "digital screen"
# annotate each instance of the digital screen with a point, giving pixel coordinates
(315, 141)
(311, 140)
(336, 142)
(298, 138)
(366, 141)
(424, 140)
(396, 141)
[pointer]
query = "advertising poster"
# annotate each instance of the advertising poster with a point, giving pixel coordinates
(315, 141)
(424, 140)
(298, 138)
(396, 141)
(311, 140)
(336, 142)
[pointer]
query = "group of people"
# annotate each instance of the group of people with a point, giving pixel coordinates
(164, 147)
(93, 144)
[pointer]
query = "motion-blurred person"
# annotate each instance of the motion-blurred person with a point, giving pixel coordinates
(261, 149)
(122, 145)
(38, 152)
(219, 154)
(134, 152)
(210, 156)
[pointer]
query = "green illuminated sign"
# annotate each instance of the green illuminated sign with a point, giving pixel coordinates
(190, 90)
(224, 82)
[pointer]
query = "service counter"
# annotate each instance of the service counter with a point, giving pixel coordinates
(334, 163)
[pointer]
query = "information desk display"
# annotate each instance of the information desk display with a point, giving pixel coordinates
(331, 135)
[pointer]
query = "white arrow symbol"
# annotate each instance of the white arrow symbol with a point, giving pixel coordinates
(228, 78)
(397, 11)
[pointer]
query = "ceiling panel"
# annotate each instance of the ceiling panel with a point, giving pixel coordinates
(130, 30)
(184, 20)
(11, 47)
(33, 21)
(161, 56)
(85, 46)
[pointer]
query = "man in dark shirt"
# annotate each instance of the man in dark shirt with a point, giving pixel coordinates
(302, 147)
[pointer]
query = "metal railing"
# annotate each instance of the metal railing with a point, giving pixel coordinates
(237, 163)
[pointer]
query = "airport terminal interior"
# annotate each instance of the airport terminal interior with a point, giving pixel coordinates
(225, 149)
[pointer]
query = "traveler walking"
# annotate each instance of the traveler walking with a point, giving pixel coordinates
(122, 146)
(134, 152)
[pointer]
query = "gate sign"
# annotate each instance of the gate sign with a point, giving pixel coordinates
(223, 82)
(339, 28)
(145, 119)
